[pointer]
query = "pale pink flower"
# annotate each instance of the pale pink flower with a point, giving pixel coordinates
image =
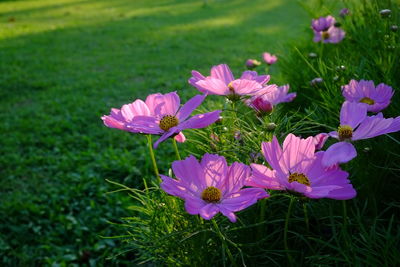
(296, 167)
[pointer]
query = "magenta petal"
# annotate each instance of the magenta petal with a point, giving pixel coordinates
(180, 137)
(237, 175)
(344, 193)
(243, 199)
(341, 152)
(190, 172)
(376, 125)
(272, 152)
(175, 187)
(112, 122)
(320, 139)
(170, 104)
(196, 76)
(297, 152)
(223, 73)
(215, 170)
(200, 120)
(144, 124)
(246, 87)
(321, 191)
(352, 113)
(137, 108)
(213, 86)
(193, 205)
(166, 135)
(252, 75)
(208, 211)
(229, 214)
(264, 178)
(190, 106)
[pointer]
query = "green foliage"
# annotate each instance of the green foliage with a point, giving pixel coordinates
(65, 63)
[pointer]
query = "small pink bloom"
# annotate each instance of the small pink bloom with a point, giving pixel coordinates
(296, 167)
(377, 98)
(269, 58)
(270, 96)
(160, 115)
(356, 125)
(212, 186)
(252, 63)
(326, 31)
(222, 82)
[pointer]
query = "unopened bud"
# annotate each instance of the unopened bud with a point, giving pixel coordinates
(394, 28)
(385, 13)
(270, 126)
(312, 55)
(316, 81)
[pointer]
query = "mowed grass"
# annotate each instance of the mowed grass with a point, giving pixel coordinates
(65, 63)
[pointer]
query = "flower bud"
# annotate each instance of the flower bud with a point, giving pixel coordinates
(344, 12)
(252, 64)
(316, 81)
(394, 28)
(312, 55)
(385, 13)
(270, 126)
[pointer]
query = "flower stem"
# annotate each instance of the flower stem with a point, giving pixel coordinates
(289, 211)
(178, 156)
(306, 217)
(224, 244)
(153, 158)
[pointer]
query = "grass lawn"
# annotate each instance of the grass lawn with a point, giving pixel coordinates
(65, 63)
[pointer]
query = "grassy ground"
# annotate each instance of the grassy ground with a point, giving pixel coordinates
(64, 64)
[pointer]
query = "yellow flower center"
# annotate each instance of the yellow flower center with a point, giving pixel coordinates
(367, 100)
(300, 178)
(168, 121)
(230, 86)
(345, 132)
(325, 35)
(211, 194)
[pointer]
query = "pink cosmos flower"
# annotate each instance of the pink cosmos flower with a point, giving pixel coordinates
(270, 96)
(162, 115)
(269, 58)
(122, 118)
(252, 63)
(356, 125)
(212, 186)
(296, 167)
(377, 98)
(222, 82)
(325, 30)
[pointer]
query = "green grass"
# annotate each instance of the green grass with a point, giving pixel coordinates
(65, 63)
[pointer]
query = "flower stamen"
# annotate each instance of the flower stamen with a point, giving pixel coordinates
(325, 35)
(345, 132)
(211, 194)
(300, 178)
(168, 121)
(367, 100)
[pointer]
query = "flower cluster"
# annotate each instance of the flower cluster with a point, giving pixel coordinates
(299, 166)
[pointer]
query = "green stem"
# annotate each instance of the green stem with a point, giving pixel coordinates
(263, 204)
(178, 156)
(289, 211)
(306, 217)
(153, 158)
(224, 244)
(344, 215)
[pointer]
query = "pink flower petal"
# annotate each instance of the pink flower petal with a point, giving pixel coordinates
(200, 120)
(190, 106)
(223, 73)
(180, 137)
(264, 178)
(213, 86)
(215, 170)
(236, 176)
(352, 113)
(246, 87)
(208, 211)
(341, 152)
(190, 172)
